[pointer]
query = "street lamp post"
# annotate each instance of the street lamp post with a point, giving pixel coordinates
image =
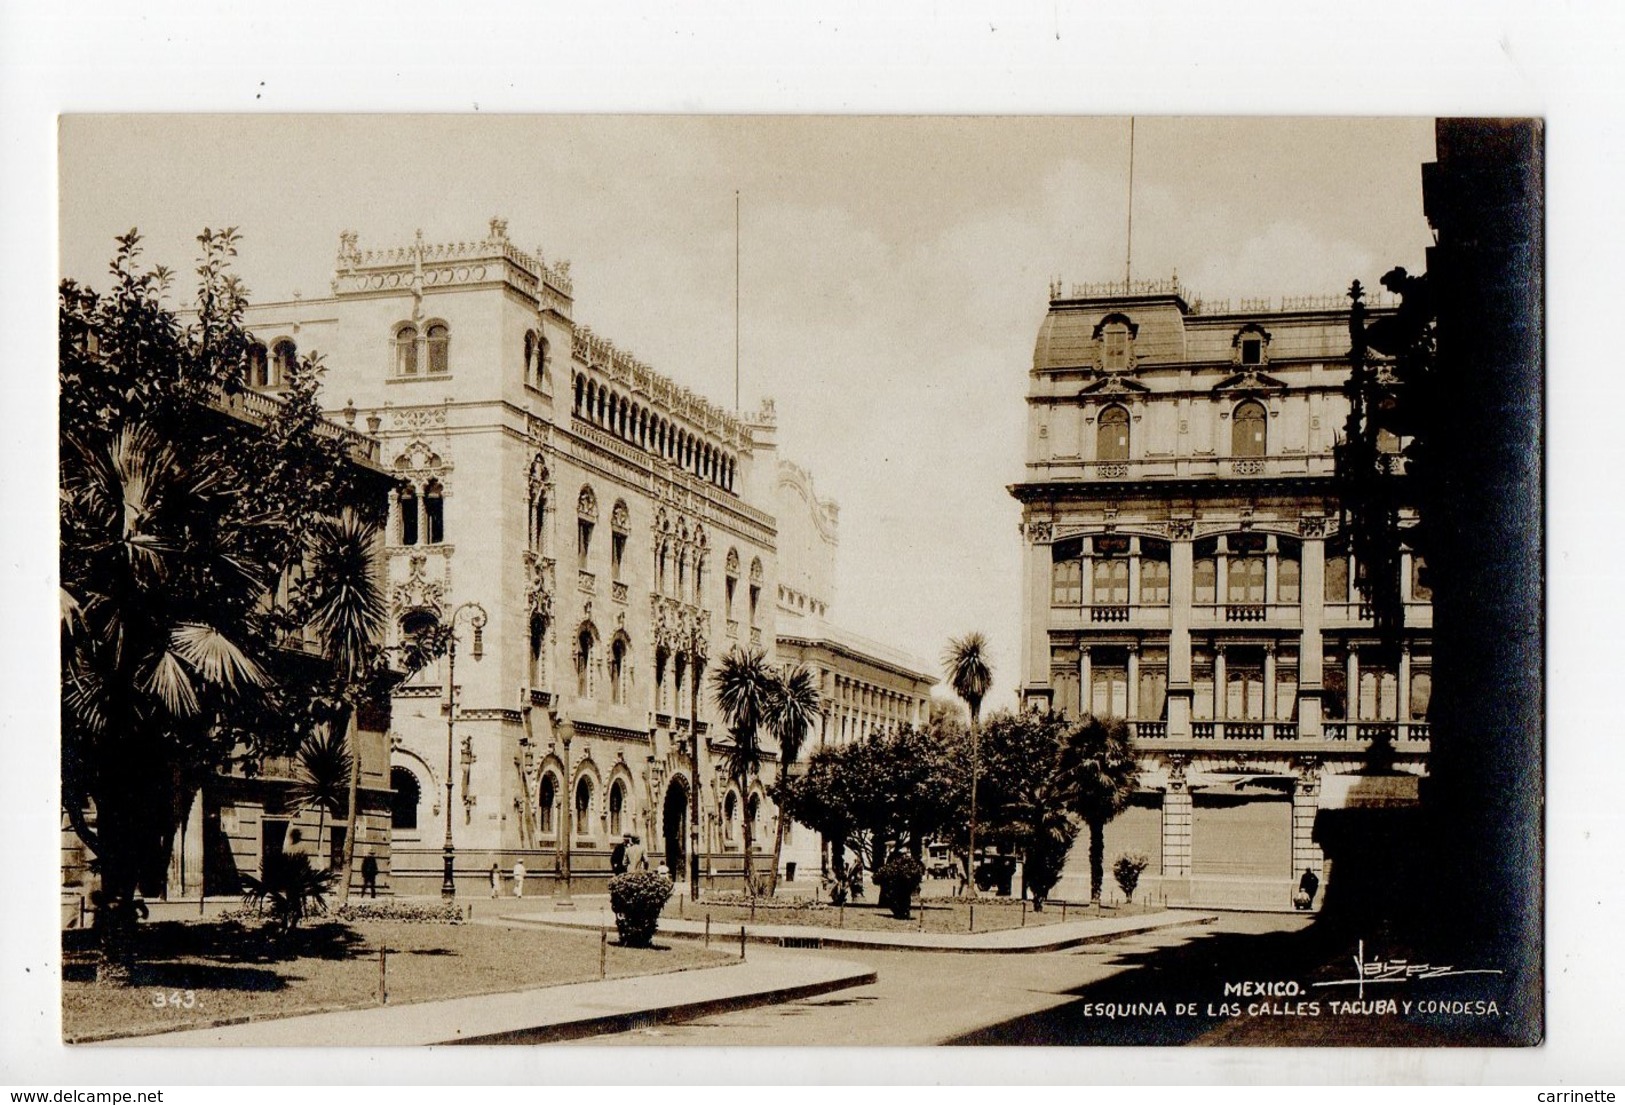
(695, 672)
(448, 885)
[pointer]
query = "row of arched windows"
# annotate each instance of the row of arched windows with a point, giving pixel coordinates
(422, 352)
(422, 518)
(1249, 432)
(273, 369)
(638, 425)
(538, 365)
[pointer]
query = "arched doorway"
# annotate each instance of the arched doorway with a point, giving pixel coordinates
(674, 823)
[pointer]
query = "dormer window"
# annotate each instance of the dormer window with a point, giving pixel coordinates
(284, 359)
(1115, 334)
(1114, 350)
(1250, 346)
(1252, 351)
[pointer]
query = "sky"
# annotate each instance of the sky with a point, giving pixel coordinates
(892, 271)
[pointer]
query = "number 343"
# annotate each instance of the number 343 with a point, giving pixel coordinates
(174, 999)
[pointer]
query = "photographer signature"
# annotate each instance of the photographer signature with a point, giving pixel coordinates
(1375, 971)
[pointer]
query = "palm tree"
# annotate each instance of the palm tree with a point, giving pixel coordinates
(970, 675)
(1100, 774)
(792, 708)
(348, 614)
(743, 685)
(325, 766)
(156, 632)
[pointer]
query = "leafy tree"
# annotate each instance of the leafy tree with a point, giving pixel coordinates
(970, 675)
(1026, 795)
(792, 708)
(1127, 871)
(743, 685)
(1099, 773)
(887, 791)
(186, 518)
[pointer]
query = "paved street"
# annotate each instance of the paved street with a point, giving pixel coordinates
(933, 998)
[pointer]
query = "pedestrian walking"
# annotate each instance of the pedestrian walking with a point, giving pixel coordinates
(1307, 886)
(496, 881)
(636, 858)
(369, 875)
(617, 855)
(518, 878)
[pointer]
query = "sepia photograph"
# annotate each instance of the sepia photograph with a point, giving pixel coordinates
(799, 581)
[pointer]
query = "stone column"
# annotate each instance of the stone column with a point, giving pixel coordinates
(1305, 804)
(1269, 679)
(1271, 565)
(1133, 570)
(1085, 673)
(1311, 605)
(1176, 823)
(1134, 679)
(1402, 693)
(1353, 692)
(1179, 632)
(1221, 689)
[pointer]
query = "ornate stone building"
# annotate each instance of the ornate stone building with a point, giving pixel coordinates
(1185, 570)
(597, 534)
(865, 685)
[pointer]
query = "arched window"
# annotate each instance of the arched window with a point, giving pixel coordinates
(1115, 336)
(406, 351)
(434, 514)
(544, 363)
(581, 393)
(617, 801)
(584, 646)
(257, 374)
(439, 348)
(583, 805)
(752, 809)
(1205, 572)
(408, 499)
(547, 798)
(538, 641)
(404, 802)
(755, 587)
(530, 367)
(284, 360)
(586, 518)
(1109, 587)
(1112, 443)
(620, 524)
(1248, 434)
(1288, 571)
(730, 815)
(1066, 574)
(617, 671)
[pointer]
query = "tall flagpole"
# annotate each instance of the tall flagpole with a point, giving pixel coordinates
(736, 301)
(1128, 260)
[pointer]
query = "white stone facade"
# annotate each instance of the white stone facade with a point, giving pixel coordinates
(1184, 569)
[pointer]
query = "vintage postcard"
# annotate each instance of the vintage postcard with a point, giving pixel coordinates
(800, 581)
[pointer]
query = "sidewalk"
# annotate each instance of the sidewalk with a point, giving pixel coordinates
(1039, 938)
(542, 1015)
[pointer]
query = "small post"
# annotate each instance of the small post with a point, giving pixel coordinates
(199, 904)
(81, 911)
(1024, 913)
(708, 928)
(603, 951)
(383, 976)
(973, 914)
(920, 905)
(840, 919)
(753, 909)
(741, 942)
(1063, 910)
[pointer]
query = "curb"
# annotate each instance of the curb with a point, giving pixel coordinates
(669, 1014)
(816, 939)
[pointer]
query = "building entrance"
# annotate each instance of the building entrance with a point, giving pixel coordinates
(674, 821)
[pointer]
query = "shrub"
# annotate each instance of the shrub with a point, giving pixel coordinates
(637, 898)
(289, 889)
(418, 913)
(1127, 872)
(899, 880)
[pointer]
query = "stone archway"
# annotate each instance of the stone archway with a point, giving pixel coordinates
(674, 828)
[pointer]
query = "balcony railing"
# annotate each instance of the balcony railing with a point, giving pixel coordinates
(1150, 730)
(1115, 612)
(1249, 466)
(1244, 612)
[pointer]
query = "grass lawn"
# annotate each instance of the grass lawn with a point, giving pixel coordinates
(216, 973)
(939, 915)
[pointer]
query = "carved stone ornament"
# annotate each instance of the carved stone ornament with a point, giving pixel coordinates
(1176, 774)
(417, 591)
(1181, 529)
(1312, 526)
(1039, 531)
(539, 584)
